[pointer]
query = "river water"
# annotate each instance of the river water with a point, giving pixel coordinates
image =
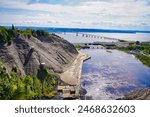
(73, 38)
(111, 75)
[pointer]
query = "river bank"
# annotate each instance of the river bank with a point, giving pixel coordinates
(71, 77)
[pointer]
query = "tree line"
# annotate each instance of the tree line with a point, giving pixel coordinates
(7, 35)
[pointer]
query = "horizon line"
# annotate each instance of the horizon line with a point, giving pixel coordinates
(106, 29)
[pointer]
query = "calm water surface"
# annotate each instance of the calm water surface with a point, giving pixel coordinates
(111, 75)
(71, 37)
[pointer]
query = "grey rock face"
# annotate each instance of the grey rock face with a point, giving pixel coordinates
(27, 54)
(142, 94)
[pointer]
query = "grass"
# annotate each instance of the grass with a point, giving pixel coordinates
(140, 48)
(144, 59)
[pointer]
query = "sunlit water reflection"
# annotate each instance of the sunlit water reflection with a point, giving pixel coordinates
(111, 75)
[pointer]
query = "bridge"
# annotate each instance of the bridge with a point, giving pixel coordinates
(85, 35)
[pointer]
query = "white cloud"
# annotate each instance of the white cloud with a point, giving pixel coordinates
(91, 13)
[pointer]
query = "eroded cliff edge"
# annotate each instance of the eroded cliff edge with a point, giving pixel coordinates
(28, 53)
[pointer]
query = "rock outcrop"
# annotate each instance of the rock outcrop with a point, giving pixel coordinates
(27, 54)
(142, 94)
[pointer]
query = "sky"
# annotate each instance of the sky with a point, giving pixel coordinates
(99, 14)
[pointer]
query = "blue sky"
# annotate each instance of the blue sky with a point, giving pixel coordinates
(107, 14)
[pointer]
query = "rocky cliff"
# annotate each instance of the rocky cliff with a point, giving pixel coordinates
(28, 53)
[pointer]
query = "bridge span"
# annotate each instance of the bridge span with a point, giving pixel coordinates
(86, 35)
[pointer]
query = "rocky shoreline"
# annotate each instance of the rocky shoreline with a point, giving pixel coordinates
(141, 94)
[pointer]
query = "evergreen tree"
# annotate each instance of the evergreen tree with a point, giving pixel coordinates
(13, 27)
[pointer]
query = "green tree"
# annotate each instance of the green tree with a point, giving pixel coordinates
(3, 35)
(49, 82)
(13, 27)
(37, 87)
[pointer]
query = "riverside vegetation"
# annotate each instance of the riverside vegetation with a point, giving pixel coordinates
(14, 85)
(140, 50)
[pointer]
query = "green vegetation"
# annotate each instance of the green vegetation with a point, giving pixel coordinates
(27, 32)
(78, 47)
(7, 35)
(36, 33)
(122, 41)
(146, 47)
(141, 51)
(123, 49)
(13, 86)
(48, 83)
(144, 59)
